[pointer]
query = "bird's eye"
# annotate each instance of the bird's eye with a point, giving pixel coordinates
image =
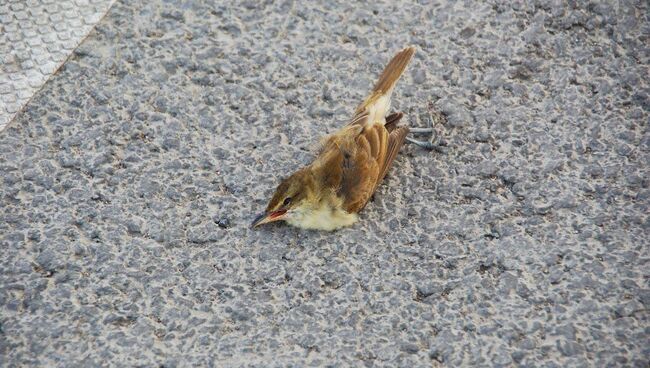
(287, 201)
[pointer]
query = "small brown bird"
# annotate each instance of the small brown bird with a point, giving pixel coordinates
(328, 193)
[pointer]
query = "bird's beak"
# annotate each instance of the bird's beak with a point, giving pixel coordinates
(267, 217)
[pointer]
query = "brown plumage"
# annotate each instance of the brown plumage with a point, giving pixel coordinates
(328, 193)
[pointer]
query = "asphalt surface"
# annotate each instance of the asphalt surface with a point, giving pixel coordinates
(129, 181)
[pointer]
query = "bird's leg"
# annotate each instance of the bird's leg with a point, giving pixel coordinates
(420, 130)
(431, 144)
(422, 144)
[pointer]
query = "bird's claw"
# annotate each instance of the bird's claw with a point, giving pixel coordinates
(433, 143)
(421, 130)
(423, 144)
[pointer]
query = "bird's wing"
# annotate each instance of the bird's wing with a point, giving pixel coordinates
(395, 141)
(360, 118)
(359, 157)
(355, 160)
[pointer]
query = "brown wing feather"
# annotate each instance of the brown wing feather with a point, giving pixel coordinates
(359, 118)
(392, 120)
(356, 184)
(395, 142)
(354, 164)
(362, 167)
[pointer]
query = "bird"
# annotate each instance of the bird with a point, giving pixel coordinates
(329, 193)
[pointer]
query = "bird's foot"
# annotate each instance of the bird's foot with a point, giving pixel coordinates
(422, 144)
(421, 130)
(434, 143)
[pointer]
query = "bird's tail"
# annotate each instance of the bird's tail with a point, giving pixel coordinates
(393, 71)
(379, 99)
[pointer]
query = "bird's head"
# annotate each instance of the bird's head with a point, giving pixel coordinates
(291, 197)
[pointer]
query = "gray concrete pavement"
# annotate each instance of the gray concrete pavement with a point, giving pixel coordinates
(129, 181)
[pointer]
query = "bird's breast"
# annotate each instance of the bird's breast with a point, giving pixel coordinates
(323, 217)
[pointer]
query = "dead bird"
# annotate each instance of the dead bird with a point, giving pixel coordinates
(328, 193)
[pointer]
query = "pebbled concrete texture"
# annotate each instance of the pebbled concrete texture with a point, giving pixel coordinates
(130, 179)
(36, 37)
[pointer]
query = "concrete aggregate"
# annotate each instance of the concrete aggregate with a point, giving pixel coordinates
(129, 181)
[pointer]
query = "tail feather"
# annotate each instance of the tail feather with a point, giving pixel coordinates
(393, 71)
(378, 103)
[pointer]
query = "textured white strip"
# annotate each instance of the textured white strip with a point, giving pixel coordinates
(36, 37)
